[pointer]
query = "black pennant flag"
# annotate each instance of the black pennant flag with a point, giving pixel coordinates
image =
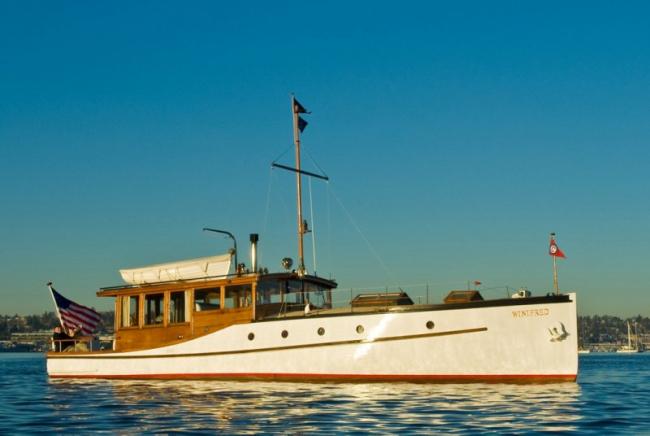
(302, 124)
(298, 108)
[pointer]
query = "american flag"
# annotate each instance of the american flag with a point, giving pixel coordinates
(73, 315)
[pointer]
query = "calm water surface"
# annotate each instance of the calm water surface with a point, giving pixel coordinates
(612, 396)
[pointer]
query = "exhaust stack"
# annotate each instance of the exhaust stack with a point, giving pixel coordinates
(254, 238)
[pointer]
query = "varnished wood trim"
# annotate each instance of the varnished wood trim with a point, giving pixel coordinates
(110, 355)
(209, 281)
(176, 285)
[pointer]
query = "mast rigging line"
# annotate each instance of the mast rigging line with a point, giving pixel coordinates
(372, 250)
(331, 193)
(283, 153)
(271, 199)
(313, 227)
(306, 149)
(268, 201)
(323, 175)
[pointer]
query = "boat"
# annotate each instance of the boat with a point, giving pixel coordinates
(216, 318)
(629, 348)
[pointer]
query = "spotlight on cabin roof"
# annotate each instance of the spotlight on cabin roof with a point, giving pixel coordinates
(287, 263)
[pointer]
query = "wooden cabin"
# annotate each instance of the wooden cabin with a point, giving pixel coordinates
(156, 314)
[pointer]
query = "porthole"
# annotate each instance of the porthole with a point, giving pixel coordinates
(321, 331)
(430, 325)
(360, 329)
(285, 333)
(251, 336)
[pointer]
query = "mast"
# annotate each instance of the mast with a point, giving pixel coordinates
(629, 336)
(296, 109)
(299, 125)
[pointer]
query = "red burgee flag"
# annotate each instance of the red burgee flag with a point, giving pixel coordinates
(554, 250)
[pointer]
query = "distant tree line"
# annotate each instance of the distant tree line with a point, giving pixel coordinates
(599, 329)
(46, 321)
(591, 329)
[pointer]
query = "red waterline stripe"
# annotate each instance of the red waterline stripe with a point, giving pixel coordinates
(440, 378)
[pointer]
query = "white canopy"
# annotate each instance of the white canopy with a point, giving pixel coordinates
(182, 270)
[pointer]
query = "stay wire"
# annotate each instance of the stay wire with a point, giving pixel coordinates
(313, 226)
(282, 154)
(374, 252)
(268, 201)
(329, 225)
(306, 149)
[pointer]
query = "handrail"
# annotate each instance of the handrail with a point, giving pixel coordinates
(72, 344)
(197, 279)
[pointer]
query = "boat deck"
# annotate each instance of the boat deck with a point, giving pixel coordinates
(346, 310)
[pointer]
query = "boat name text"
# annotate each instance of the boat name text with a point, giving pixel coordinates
(530, 313)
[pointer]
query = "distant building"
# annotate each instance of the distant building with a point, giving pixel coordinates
(31, 337)
(15, 347)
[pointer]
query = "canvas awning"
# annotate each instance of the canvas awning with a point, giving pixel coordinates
(212, 266)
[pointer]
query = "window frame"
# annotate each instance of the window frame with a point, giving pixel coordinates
(247, 296)
(145, 315)
(186, 309)
(219, 289)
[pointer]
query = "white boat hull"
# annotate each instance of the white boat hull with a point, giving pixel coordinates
(523, 342)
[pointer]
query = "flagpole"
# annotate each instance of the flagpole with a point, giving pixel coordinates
(296, 140)
(555, 283)
(56, 306)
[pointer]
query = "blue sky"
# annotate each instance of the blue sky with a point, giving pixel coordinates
(456, 135)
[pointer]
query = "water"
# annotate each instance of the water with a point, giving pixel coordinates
(612, 396)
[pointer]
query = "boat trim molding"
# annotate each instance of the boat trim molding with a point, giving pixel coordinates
(319, 378)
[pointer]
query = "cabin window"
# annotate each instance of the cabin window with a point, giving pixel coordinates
(177, 307)
(269, 291)
(153, 309)
(318, 296)
(124, 312)
(238, 296)
(294, 292)
(207, 299)
(134, 310)
(129, 310)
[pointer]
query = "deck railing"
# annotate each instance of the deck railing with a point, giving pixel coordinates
(79, 343)
(420, 294)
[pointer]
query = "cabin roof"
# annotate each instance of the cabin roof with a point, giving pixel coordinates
(294, 276)
(232, 279)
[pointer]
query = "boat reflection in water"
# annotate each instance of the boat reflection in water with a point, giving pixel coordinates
(306, 407)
